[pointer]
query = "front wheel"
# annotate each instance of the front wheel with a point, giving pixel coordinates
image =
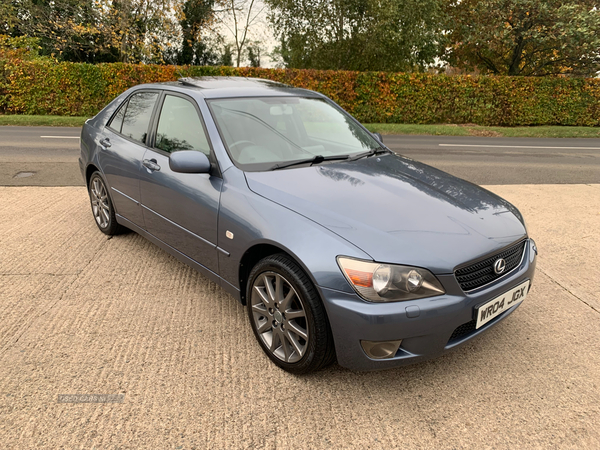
(288, 317)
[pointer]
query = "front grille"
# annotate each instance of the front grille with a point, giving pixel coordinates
(482, 272)
(463, 330)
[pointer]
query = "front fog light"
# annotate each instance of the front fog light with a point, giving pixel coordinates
(381, 279)
(381, 350)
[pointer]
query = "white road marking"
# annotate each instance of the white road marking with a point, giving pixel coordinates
(518, 146)
(60, 137)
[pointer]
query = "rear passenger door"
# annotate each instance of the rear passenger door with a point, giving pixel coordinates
(181, 209)
(122, 148)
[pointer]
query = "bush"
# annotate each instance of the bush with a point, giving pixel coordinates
(46, 87)
(12, 52)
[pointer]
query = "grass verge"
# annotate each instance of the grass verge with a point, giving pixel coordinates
(476, 130)
(41, 121)
(383, 128)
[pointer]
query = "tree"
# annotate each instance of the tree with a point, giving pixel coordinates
(8, 17)
(238, 18)
(197, 15)
(524, 37)
(142, 30)
(254, 55)
(357, 34)
(133, 31)
(96, 30)
(68, 29)
(227, 56)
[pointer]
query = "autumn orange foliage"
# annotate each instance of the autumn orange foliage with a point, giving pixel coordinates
(46, 87)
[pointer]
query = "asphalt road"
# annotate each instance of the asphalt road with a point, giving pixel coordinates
(506, 160)
(52, 160)
(51, 154)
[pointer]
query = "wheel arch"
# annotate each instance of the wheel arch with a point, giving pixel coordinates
(90, 169)
(321, 352)
(257, 252)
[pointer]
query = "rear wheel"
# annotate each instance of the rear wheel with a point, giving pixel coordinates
(102, 207)
(288, 317)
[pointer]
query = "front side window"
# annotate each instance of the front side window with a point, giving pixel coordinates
(179, 127)
(262, 132)
(137, 116)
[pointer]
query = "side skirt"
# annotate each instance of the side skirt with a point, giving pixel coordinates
(229, 288)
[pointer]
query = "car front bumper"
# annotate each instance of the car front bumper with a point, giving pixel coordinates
(425, 326)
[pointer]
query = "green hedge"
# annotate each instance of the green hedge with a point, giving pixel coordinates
(43, 87)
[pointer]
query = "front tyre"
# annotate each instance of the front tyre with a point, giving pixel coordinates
(102, 207)
(288, 317)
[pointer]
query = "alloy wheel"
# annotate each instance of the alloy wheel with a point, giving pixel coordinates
(100, 205)
(279, 317)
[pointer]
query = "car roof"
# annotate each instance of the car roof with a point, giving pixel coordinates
(229, 87)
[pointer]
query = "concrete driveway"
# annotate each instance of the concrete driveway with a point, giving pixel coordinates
(83, 314)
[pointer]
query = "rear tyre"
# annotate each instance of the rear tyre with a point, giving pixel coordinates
(288, 317)
(102, 207)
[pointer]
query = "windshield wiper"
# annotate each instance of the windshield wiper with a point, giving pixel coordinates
(372, 152)
(315, 160)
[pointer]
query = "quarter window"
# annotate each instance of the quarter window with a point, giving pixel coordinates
(180, 127)
(117, 120)
(137, 116)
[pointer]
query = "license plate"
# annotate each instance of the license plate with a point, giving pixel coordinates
(497, 306)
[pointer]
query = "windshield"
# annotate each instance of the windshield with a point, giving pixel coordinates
(261, 133)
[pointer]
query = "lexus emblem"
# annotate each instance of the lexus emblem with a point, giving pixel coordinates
(500, 266)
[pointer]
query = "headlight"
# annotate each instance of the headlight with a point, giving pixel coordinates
(388, 282)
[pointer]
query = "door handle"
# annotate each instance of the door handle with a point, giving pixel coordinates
(105, 143)
(151, 165)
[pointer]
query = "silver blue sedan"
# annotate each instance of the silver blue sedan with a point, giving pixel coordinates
(338, 248)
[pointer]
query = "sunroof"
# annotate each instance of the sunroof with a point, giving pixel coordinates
(227, 82)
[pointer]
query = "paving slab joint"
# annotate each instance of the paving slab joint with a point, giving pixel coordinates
(567, 289)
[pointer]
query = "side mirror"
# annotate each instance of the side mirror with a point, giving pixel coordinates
(189, 161)
(379, 137)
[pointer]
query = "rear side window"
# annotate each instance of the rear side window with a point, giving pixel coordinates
(180, 127)
(117, 120)
(137, 116)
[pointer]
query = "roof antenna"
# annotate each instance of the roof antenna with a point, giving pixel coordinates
(190, 81)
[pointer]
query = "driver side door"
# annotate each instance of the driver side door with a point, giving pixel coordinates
(181, 209)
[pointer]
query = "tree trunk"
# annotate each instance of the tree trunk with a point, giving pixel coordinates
(124, 15)
(515, 64)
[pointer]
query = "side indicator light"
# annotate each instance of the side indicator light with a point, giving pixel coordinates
(358, 278)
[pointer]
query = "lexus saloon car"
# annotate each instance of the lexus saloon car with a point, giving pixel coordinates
(340, 249)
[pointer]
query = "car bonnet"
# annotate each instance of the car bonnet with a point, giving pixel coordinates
(397, 210)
